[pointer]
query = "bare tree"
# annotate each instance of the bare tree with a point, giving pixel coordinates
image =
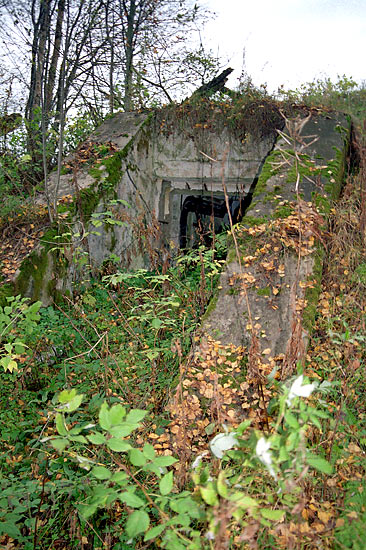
(98, 54)
(149, 52)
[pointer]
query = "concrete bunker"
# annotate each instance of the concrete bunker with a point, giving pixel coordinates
(175, 177)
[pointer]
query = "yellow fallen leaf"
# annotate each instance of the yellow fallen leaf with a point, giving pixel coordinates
(325, 516)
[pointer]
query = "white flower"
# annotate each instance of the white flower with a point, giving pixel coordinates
(223, 442)
(264, 455)
(262, 451)
(198, 460)
(298, 390)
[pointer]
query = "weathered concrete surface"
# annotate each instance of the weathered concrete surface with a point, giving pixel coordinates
(269, 291)
(121, 130)
(272, 314)
(154, 172)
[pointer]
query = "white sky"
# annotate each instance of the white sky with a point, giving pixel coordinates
(289, 41)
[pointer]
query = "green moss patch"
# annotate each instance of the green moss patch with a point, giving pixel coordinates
(283, 211)
(6, 291)
(269, 169)
(266, 291)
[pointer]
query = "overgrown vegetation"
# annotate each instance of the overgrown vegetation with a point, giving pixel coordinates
(120, 424)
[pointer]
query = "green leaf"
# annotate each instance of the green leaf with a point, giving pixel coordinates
(274, 515)
(59, 444)
(185, 506)
(210, 428)
(131, 499)
(316, 422)
(209, 495)
(79, 439)
(120, 478)
(100, 472)
(166, 483)
(123, 430)
(243, 426)
(74, 403)
(8, 363)
(116, 414)
(156, 323)
(138, 522)
(291, 420)
(221, 485)
(10, 529)
(118, 445)
(154, 532)
(135, 416)
(66, 396)
(149, 451)
(283, 454)
(321, 414)
(104, 420)
(137, 458)
(87, 510)
(319, 463)
(164, 461)
(19, 347)
(243, 500)
(96, 438)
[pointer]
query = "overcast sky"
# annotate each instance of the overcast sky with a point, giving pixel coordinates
(289, 41)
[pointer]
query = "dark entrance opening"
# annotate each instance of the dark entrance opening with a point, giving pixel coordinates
(202, 215)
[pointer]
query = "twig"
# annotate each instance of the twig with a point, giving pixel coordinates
(39, 506)
(88, 351)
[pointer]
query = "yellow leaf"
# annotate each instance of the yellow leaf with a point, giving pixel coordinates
(325, 516)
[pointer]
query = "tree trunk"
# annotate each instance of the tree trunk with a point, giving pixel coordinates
(33, 112)
(127, 103)
(50, 86)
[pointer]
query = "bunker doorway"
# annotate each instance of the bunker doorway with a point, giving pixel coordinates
(201, 216)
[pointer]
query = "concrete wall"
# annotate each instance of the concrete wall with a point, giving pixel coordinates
(267, 297)
(156, 172)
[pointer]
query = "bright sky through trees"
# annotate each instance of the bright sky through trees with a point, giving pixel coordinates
(289, 41)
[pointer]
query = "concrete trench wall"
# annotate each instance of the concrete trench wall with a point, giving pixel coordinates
(274, 294)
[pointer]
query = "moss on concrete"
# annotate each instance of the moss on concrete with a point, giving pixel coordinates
(37, 267)
(89, 200)
(252, 220)
(32, 273)
(211, 306)
(283, 211)
(6, 290)
(337, 169)
(266, 291)
(268, 170)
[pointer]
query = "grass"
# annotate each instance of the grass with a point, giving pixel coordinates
(115, 342)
